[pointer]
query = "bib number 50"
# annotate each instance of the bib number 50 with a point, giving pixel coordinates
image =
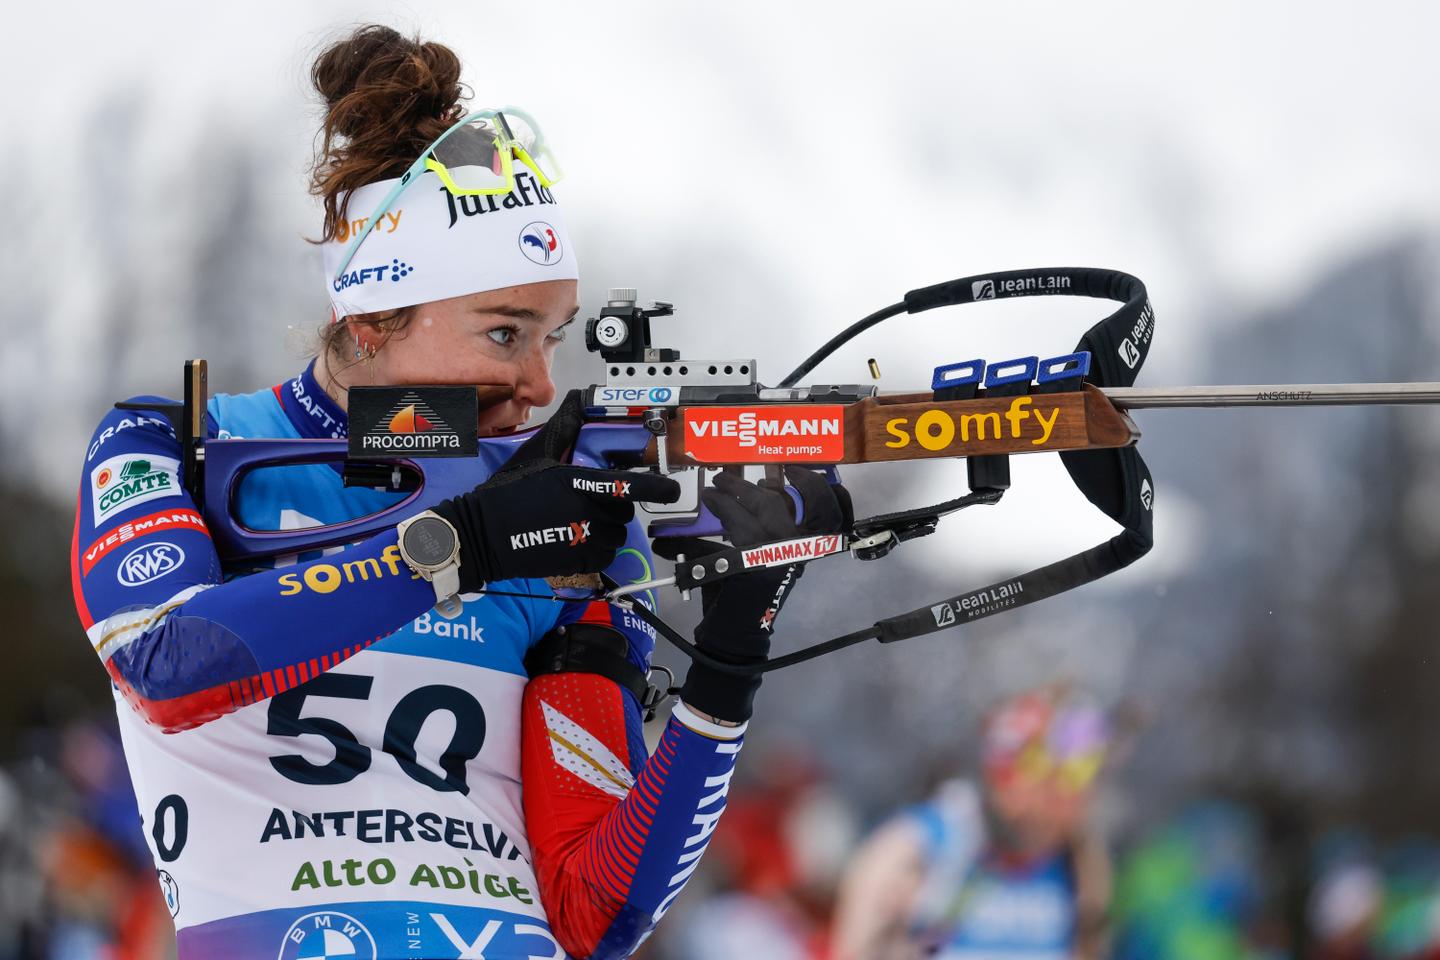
(402, 729)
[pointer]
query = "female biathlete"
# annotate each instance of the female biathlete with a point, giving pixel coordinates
(326, 765)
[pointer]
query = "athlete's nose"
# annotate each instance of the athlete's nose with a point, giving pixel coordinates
(533, 385)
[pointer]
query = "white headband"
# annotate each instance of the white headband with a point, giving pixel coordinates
(431, 245)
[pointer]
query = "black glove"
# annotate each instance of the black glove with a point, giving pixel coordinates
(538, 517)
(739, 613)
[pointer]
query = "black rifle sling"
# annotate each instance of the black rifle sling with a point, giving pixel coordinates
(1117, 481)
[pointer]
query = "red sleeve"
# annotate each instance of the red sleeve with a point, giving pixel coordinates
(615, 834)
(564, 805)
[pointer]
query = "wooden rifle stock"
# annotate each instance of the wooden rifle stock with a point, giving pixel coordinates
(913, 426)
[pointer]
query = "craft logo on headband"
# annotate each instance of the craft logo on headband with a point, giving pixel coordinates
(450, 246)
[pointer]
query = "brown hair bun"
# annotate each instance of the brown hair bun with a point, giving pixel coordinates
(387, 97)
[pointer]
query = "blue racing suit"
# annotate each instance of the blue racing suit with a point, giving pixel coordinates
(327, 768)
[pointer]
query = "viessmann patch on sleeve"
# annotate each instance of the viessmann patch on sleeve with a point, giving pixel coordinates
(129, 480)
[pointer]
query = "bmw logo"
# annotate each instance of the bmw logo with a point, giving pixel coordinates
(171, 890)
(327, 935)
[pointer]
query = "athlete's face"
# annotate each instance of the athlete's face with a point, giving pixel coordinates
(1038, 817)
(501, 337)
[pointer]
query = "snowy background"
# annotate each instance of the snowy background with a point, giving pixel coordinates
(779, 170)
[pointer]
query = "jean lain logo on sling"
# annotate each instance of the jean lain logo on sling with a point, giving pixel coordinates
(1129, 353)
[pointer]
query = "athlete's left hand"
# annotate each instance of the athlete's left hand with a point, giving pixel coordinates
(740, 612)
(540, 517)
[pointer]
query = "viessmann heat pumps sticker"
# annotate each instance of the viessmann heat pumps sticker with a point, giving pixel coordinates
(796, 434)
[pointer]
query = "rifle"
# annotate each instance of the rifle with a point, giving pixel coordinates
(658, 411)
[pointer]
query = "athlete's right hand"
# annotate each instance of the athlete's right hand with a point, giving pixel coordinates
(538, 517)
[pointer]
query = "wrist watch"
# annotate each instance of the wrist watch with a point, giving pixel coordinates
(430, 546)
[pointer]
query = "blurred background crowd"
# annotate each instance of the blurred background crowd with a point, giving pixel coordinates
(1268, 784)
(799, 871)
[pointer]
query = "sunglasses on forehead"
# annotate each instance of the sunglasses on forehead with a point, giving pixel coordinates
(474, 157)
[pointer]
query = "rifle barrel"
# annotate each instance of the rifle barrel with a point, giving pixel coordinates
(1274, 395)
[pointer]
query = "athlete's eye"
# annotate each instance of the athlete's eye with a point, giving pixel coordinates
(558, 334)
(505, 336)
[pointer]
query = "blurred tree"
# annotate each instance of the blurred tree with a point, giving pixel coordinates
(52, 659)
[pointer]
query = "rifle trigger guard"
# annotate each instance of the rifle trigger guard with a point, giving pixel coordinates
(621, 595)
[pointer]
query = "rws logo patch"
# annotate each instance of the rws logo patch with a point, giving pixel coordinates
(149, 562)
(396, 422)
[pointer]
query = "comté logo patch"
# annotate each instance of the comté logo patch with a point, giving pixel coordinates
(122, 482)
(782, 434)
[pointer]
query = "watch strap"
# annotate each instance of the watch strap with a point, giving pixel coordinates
(447, 591)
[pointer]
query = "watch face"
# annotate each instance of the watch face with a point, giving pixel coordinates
(429, 541)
